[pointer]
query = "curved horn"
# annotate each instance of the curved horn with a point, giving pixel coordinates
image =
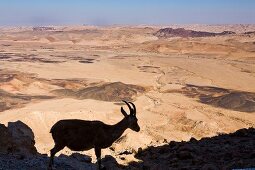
(123, 112)
(134, 108)
(131, 110)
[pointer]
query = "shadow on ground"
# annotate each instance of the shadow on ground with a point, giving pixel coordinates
(226, 151)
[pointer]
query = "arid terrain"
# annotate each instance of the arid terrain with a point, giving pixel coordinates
(187, 81)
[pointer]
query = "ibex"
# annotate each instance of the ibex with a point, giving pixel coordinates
(81, 135)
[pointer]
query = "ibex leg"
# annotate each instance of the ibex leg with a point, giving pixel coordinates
(98, 154)
(52, 154)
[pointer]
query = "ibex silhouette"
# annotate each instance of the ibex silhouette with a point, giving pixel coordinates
(81, 135)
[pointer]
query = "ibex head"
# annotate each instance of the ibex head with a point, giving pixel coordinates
(131, 118)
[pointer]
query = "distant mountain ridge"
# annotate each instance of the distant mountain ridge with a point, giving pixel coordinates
(181, 32)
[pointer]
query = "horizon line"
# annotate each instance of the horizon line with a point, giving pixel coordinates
(124, 25)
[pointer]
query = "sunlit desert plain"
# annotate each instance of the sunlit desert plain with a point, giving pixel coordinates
(193, 82)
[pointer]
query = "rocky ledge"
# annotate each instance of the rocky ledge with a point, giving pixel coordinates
(226, 151)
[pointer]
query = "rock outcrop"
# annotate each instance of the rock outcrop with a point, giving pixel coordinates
(17, 138)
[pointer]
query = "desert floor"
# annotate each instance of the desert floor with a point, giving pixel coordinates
(182, 87)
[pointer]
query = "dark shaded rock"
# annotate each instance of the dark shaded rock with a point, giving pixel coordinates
(159, 166)
(210, 167)
(122, 158)
(193, 140)
(226, 151)
(240, 133)
(184, 155)
(81, 158)
(172, 144)
(17, 138)
(22, 138)
(139, 150)
(5, 140)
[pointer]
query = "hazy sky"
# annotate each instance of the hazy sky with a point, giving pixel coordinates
(129, 12)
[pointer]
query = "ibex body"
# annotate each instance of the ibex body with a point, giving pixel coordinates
(81, 135)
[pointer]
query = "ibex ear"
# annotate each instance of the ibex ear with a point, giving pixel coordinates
(123, 112)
